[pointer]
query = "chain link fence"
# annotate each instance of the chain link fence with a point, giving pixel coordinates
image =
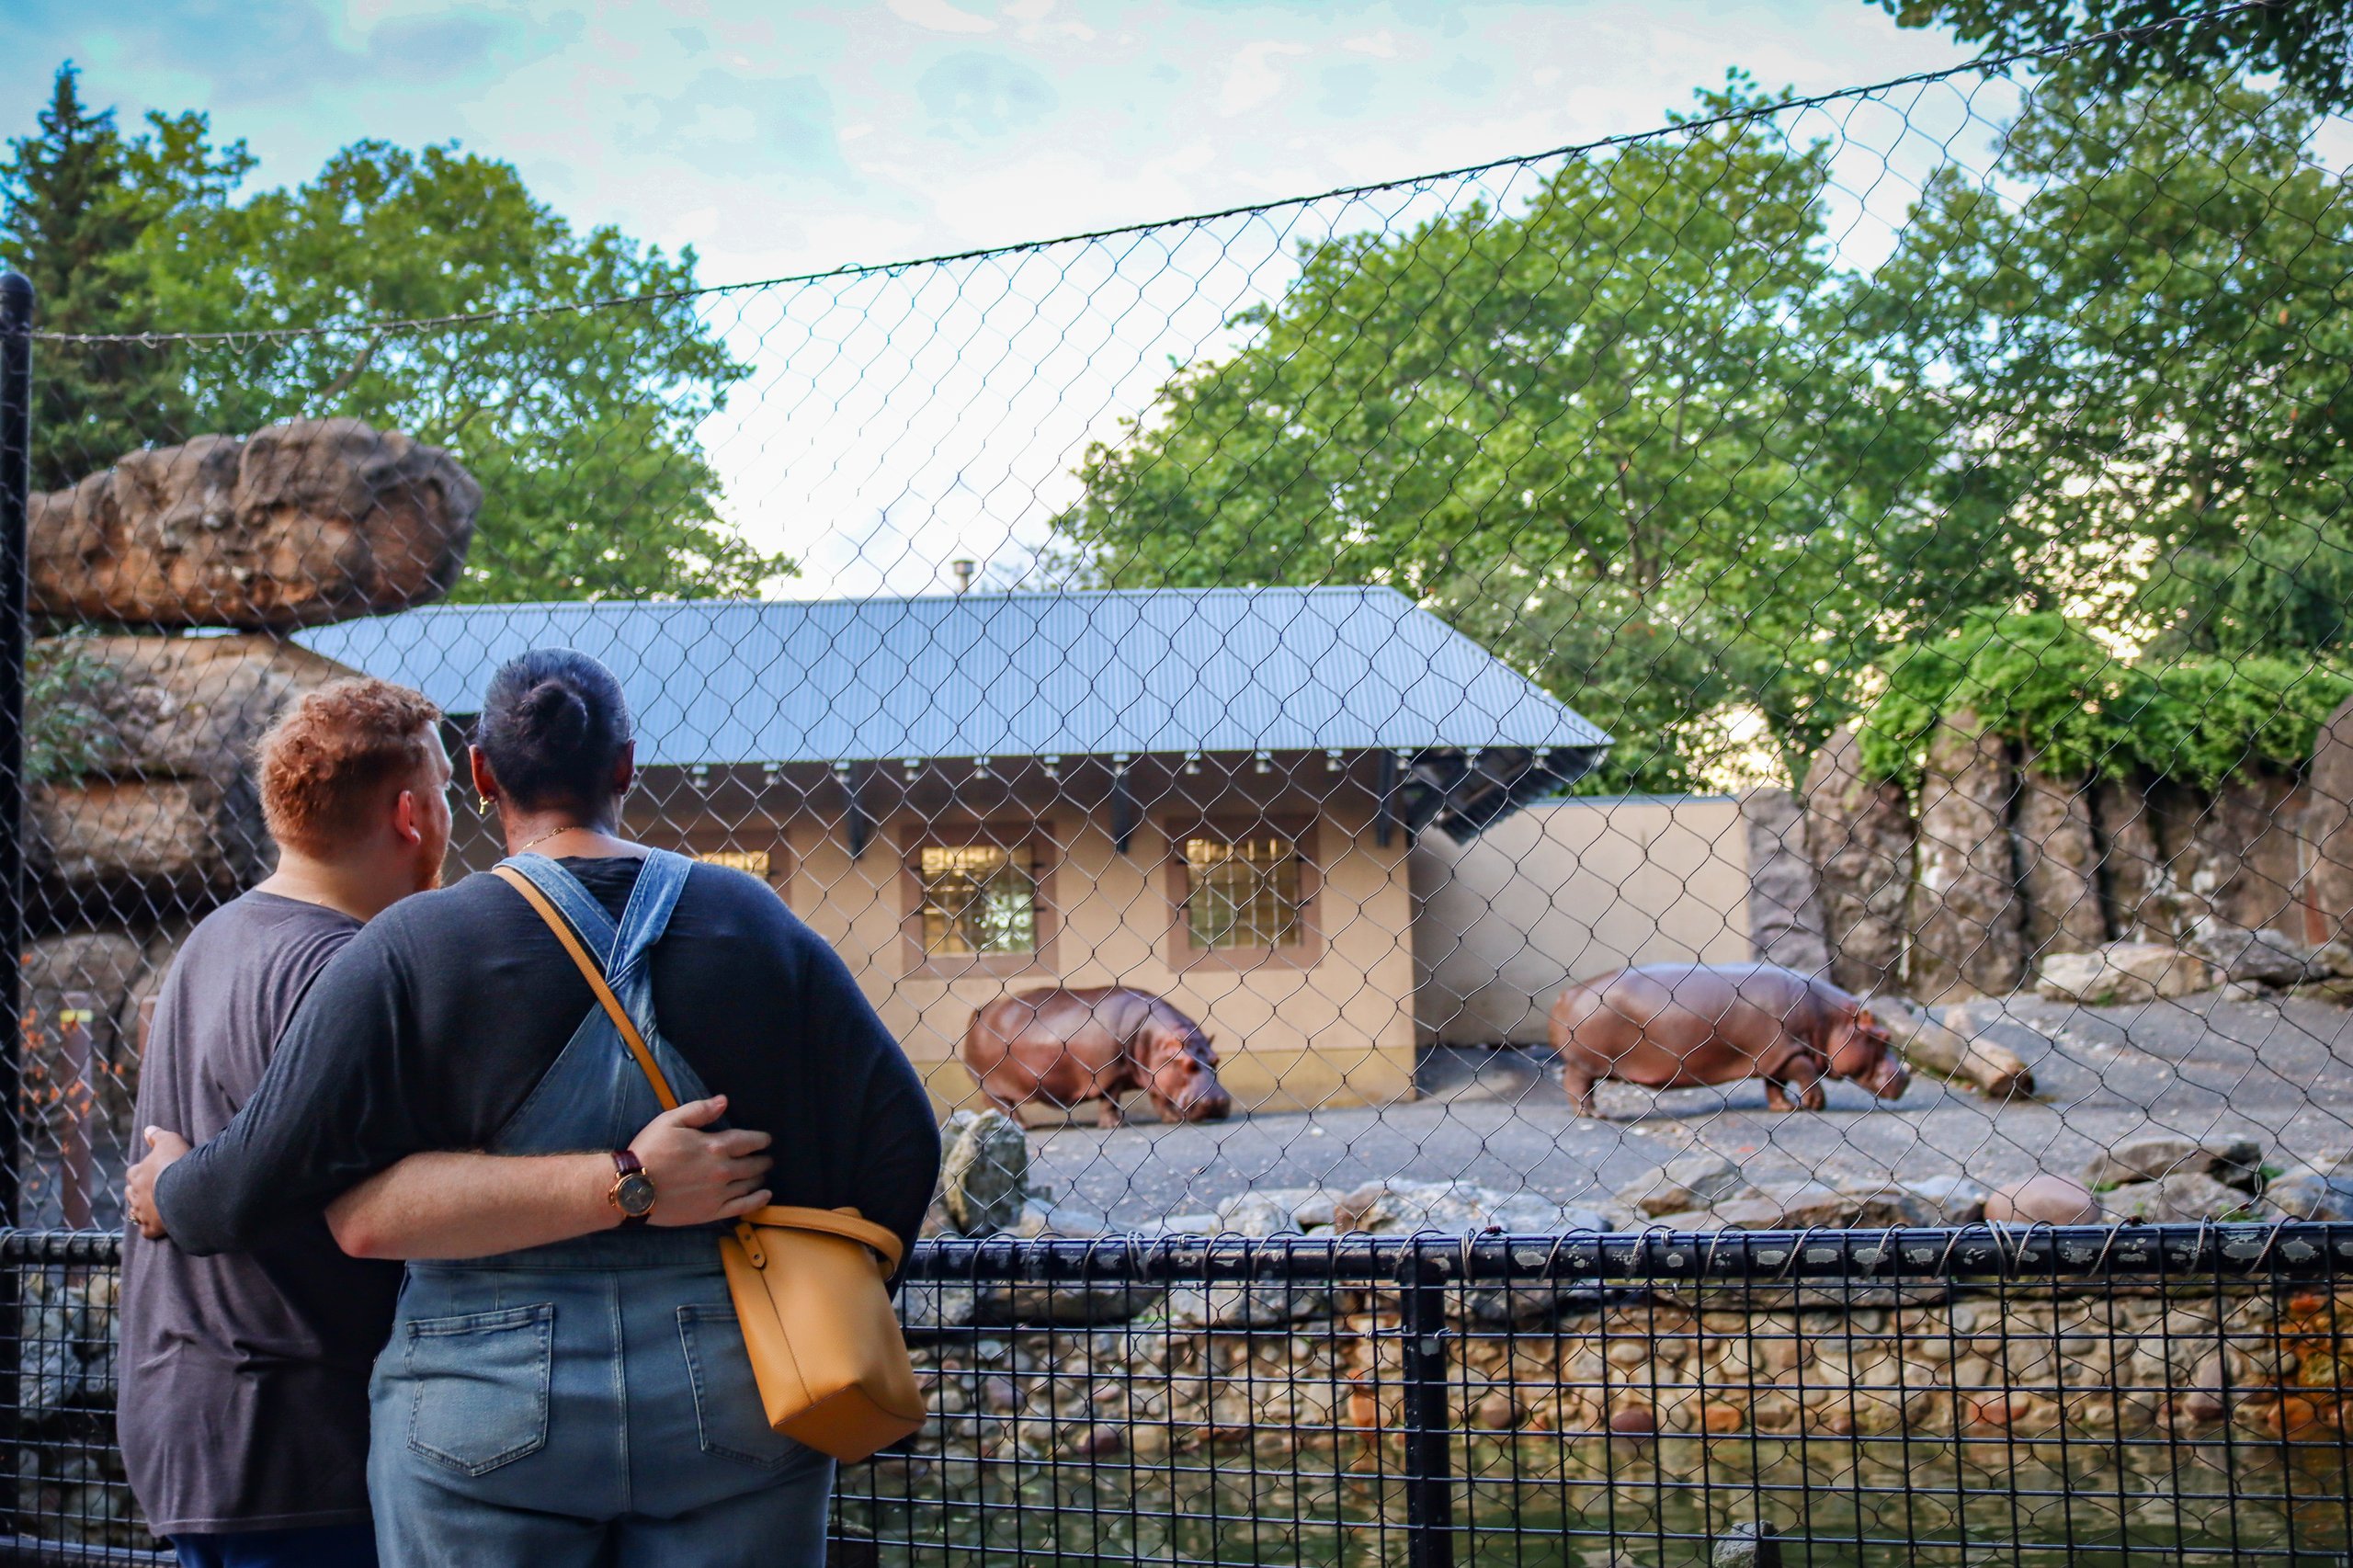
(1242, 693)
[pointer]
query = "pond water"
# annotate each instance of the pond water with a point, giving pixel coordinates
(1643, 1506)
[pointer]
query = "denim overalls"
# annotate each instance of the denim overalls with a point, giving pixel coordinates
(588, 1402)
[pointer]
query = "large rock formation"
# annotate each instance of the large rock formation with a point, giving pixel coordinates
(1967, 918)
(195, 706)
(2328, 822)
(1858, 836)
(984, 1172)
(172, 812)
(2184, 865)
(2239, 868)
(2125, 971)
(1784, 913)
(2058, 862)
(128, 842)
(303, 523)
(2136, 883)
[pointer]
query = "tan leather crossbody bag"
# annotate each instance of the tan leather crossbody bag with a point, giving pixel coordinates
(808, 1286)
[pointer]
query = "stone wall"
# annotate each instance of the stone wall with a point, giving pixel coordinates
(1575, 1383)
(1785, 917)
(2133, 1362)
(1859, 835)
(2000, 864)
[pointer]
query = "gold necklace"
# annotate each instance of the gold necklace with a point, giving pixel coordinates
(552, 833)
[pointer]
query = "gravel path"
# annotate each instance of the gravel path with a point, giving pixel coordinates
(2279, 1071)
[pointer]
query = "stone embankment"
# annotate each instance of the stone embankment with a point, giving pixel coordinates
(1105, 1371)
(1972, 1366)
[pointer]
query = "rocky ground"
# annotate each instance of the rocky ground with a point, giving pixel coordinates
(2276, 1069)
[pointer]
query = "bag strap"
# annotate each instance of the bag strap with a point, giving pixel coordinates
(596, 978)
(844, 1222)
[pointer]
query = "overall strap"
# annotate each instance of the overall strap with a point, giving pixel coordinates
(643, 919)
(580, 908)
(594, 973)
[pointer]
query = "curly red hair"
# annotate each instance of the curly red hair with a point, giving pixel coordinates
(336, 756)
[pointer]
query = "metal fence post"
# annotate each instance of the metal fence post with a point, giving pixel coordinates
(16, 501)
(1429, 1427)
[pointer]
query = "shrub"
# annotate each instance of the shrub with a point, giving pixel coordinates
(2041, 681)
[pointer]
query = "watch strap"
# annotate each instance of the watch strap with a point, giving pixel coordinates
(627, 1164)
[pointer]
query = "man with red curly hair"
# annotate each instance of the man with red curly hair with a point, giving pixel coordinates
(243, 1394)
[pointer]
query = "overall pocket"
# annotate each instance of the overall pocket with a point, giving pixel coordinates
(480, 1397)
(733, 1422)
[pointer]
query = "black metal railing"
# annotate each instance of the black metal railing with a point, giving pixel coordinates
(2141, 1394)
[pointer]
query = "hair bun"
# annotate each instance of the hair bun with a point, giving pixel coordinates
(553, 715)
(554, 727)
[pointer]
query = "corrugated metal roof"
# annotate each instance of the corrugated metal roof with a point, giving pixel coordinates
(997, 675)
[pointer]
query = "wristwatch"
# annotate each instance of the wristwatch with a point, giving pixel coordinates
(632, 1192)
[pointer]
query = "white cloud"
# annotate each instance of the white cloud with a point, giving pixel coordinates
(940, 16)
(1254, 79)
(1381, 45)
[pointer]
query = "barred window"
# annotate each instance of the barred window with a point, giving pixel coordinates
(1243, 892)
(978, 898)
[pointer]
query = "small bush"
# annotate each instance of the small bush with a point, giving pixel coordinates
(2041, 681)
(66, 725)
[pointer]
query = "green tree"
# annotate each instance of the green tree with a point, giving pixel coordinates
(2137, 329)
(75, 201)
(2308, 42)
(582, 425)
(1610, 435)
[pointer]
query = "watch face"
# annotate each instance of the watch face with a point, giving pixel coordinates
(635, 1194)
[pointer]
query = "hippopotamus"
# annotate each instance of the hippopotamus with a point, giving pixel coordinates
(1064, 1047)
(1676, 1026)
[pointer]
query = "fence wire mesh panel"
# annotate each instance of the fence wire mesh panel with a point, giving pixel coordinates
(1969, 1395)
(1786, 673)
(68, 1501)
(2167, 1394)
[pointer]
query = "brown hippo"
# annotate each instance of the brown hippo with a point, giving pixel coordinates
(1065, 1047)
(1676, 1026)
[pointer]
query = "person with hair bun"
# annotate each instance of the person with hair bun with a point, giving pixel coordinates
(557, 1388)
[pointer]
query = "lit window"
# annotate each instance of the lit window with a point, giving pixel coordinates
(978, 899)
(1241, 893)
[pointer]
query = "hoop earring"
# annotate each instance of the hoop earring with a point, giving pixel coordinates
(481, 804)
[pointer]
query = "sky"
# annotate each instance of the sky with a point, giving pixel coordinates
(777, 139)
(897, 422)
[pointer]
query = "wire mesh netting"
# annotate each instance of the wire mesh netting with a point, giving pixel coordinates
(1955, 1398)
(1781, 673)
(1949, 1399)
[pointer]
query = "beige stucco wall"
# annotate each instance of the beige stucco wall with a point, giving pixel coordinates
(1336, 1031)
(1560, 893)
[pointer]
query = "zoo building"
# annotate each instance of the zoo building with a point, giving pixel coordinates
(1213, 796)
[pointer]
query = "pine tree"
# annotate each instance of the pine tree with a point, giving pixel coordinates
(72, 222)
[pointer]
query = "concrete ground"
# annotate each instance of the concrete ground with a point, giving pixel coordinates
(2280, 1071)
